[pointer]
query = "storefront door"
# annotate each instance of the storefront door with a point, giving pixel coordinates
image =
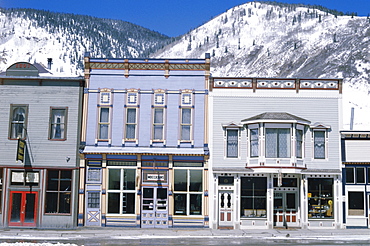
(23, 208)
(154, 212)
(226, 209)
(93, 214)
(285, 208)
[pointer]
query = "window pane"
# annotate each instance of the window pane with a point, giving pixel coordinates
(64, 202)
(254, 142)
(196, 177)
(253, 197)
(320, 198)
(284, 143)
(186, 116)
(93, 200)
(51, 202)
(232, 143)
(195, 204)
(103, 131)
(271, 143)
(356, 203)
(18, 121)
(299, 137)
(131, 115)
(130, 131)
(185, 132)
(319, 144)
(180, 204)
(113, 203)
(128, 203)
(158, 115)
(360, 175)
(57, 123)
(53, 178)
(114, 179)
(129, 179)
(350, 175)
(104, 115)
(180, 183)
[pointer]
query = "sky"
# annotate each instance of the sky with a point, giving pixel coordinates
(169, 17)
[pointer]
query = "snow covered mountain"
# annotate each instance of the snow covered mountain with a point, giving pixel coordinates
(284, 40)
(36, 35)
(262, 39)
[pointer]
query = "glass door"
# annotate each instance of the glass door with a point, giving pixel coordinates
(23, 208)
(154, 212)
(285, 209)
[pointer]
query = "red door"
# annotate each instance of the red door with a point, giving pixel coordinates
(23, 207)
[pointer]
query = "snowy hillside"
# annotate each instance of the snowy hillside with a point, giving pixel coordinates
(281, 40)
(36, 35)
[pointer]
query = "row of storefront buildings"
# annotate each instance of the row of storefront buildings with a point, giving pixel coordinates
(160, 143)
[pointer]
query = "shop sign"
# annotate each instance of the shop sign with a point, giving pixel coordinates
(155, 177)
(20, 150)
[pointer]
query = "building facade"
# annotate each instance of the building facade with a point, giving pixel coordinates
(356, 178)
(39, 136)
(145, 149)
(275, 153)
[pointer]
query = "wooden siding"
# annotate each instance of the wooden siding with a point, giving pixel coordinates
(39, 99)
(357, 151)
(233, 106)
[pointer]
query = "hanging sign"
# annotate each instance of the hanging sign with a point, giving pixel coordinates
(20, 150)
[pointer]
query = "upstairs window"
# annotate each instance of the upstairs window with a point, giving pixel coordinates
(319, 144)
(254, 142)
(131, 123)
(58, 120)
(18, 121)
(185, 124)
(299, 143)
(232, 139)
(277, 142)
(103, 128)
(158, 124)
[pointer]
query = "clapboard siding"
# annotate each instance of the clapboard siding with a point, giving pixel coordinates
(39, 99)
(235, 106)
(357, 151)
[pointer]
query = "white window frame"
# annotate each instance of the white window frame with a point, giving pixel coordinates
(54, 125)
(250, 128)
(289, 148)
(188, 192)
(184, 125)
(121, 191)
(325, 144)
(358, 190)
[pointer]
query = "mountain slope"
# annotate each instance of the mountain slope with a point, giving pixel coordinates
(35, 35)
(280, 40)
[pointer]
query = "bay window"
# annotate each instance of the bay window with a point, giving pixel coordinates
(254, 145)
(277, 142)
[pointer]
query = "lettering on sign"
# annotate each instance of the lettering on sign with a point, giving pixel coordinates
(22, 65)
(154, 177)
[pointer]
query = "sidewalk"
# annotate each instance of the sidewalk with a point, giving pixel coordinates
(122, 233)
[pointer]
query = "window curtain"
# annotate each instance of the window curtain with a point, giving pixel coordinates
(232, 143)
(319, 142)
(158, 123)
(104, 123)
(254, 142)
(19, 116)
(277, 143)
(131, 123)
(186, 121)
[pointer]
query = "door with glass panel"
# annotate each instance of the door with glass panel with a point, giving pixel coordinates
(23, 208)
(93, 214)
(285, 208)
(154, 212)
(226, 209)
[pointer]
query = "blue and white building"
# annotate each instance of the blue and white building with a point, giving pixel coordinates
(144, 143)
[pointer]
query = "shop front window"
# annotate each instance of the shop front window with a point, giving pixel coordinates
(188, 192)
(356, 204)
(121, 191)
(58, 191)
(253, 197)
(320, 198)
